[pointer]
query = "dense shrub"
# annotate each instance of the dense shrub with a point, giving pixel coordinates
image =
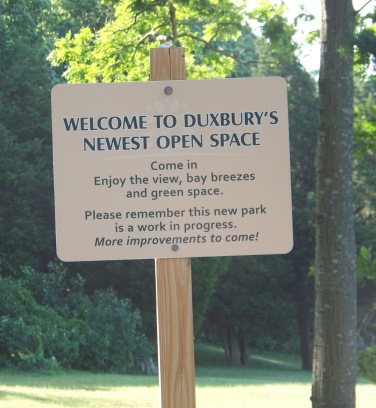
(24, 324)
(55, 289)
(114, 341)
(367, 363)
(46, 320)
(38, 362)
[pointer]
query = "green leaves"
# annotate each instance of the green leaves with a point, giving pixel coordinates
(47, 320)
(276, 29)
(366, 265)
(365, 116)
(365, 39)
(119, 50)
(367, 363)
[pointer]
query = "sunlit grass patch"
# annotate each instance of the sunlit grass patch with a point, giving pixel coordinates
(270, 380)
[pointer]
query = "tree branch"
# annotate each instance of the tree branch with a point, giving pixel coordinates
(365, 5)
(223, 52)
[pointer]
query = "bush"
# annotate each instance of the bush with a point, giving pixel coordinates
(55, 288)
(25, 326)
(367, 363)
(115, 342)
(37, 362)
(42, 326)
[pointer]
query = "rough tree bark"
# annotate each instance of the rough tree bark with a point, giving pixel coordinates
(334, 363)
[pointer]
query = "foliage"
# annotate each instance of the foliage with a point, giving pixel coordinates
(26, 206)
(205, 275)
(365, 204)
(37, 362)
(114, 342)
(109, 40)
(366, 266)
(365, 117)
(135, 280)
(275, 28)
(269, 56)
(100, 333)
(119, 50)
(251, 304)
(367, 363)
(365, 39)
(25, 325)
(366, 330)
(56, 289)
(70, 15)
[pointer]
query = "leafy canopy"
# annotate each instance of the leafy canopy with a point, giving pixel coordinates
(119, 50)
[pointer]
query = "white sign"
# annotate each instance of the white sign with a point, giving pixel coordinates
(171, 169)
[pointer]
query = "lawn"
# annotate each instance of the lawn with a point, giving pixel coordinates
(270, 381)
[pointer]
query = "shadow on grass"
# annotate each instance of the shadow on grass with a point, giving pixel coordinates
(10, 396)
(75, 380)
(211, 370)
(262, 369)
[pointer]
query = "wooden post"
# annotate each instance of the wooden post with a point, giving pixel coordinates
(174, 287)
(175, 333)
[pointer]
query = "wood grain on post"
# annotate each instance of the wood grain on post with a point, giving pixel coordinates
(167, 64)
(174, 286)
(175, 333)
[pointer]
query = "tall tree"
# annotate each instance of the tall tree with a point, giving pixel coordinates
(280, 50)
(334, 363)
(116, 48)
(26, 199)
(252, 306)
(119, 50)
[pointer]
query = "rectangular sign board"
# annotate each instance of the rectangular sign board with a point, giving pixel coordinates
(171, 169)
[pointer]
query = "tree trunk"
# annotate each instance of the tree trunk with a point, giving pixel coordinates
(334, 364)
(231, 346)
(304, 321)
(243, 348)
(226, 345)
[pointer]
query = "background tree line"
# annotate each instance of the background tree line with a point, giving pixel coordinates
(263, 302)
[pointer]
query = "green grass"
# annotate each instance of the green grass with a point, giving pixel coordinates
(269, 381)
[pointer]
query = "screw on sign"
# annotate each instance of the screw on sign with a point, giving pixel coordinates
(172, 170)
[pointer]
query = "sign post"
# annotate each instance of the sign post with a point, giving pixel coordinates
(174, 286)
(172, 169)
